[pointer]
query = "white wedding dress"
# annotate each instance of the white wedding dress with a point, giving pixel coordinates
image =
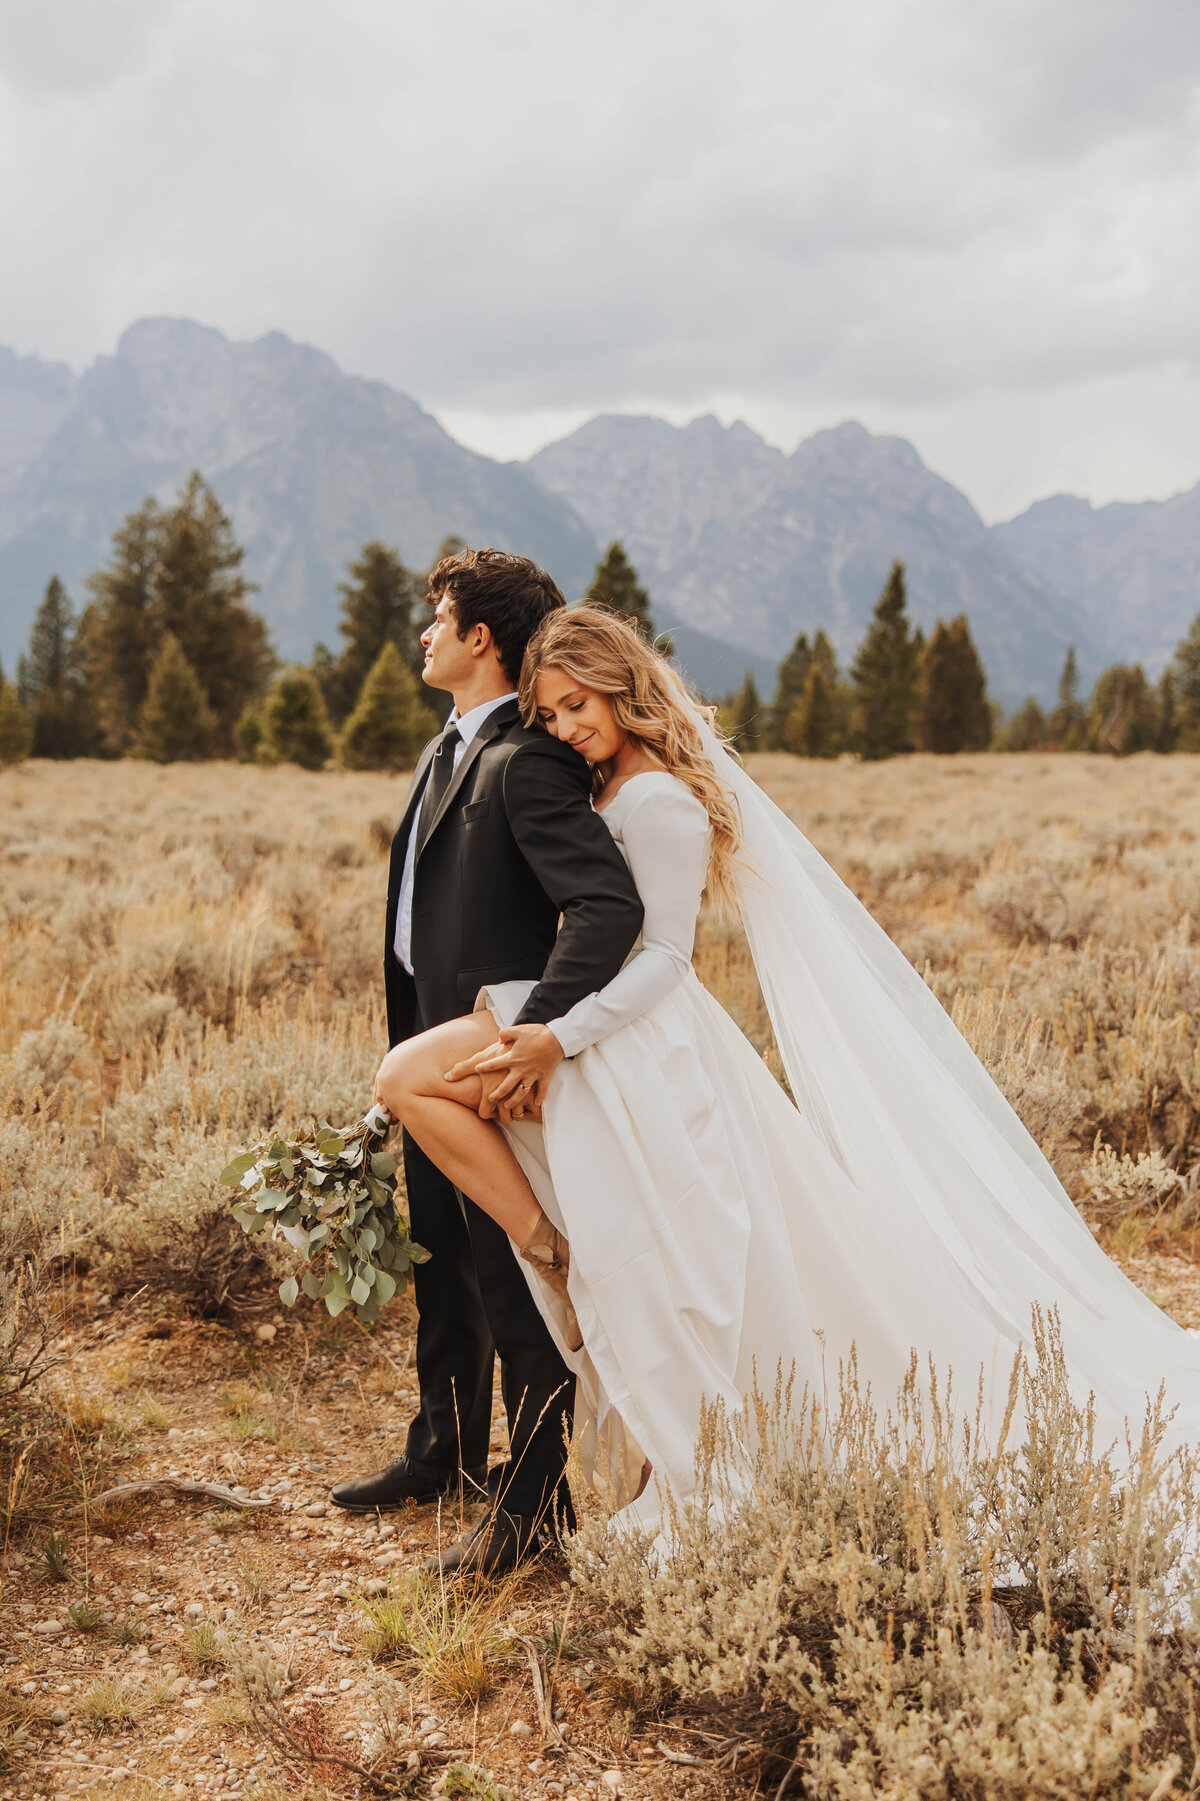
(717, 1229)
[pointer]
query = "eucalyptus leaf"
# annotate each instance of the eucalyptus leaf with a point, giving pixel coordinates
(383, 1163)
(289, 1290)
(233, 1172)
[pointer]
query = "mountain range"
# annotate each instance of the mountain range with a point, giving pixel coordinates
(741, 545)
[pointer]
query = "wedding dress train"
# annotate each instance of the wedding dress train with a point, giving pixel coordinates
(717, 1229)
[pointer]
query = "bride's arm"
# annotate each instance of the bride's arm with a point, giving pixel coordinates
(666, 838)
(665, 834)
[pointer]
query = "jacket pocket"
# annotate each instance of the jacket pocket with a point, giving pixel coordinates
(475, 809)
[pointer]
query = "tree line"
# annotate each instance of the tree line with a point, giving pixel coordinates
(169, 661)
(904, 692)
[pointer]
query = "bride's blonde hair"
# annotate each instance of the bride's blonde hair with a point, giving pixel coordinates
(600, 650)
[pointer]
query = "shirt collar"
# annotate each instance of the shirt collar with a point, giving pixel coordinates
(471, 721)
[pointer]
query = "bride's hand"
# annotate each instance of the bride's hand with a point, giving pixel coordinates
(524, 1059)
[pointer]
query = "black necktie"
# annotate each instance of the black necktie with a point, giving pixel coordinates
(441, 769)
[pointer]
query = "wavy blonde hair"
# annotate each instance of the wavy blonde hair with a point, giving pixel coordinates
(600, 650)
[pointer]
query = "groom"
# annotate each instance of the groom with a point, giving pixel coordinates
(500, 869)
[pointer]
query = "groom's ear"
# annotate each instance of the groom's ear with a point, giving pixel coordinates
(481, 642)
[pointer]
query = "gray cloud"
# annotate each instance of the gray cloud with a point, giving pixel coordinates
(965, 223)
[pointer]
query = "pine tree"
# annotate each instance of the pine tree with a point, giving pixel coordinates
(295, 725)
(815, 726)
(615, 585)
(884, 674)
(1185, 670)
(250, 734)
(1026, 730)
(200, 597)
(789, 686)
(51, 680)
(381, 604)
(1122, 714)
(125, 635)
(176, 723)
(745, 711)
(16, 727)
(1065, 726)
(391, 722)
(955, 714)
(1166, 738)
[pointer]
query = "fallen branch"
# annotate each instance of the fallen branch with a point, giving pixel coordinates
(213, 1491)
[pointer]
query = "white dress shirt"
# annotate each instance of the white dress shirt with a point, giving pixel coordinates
(468, 726)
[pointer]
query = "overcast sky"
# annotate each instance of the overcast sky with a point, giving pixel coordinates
(972, 222)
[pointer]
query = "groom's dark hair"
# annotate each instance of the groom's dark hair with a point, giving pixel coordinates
(508, 594)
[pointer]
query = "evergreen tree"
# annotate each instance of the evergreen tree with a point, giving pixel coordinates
(52, 682)
(789, 686)
(745, 714)
(250, 734)
(815, 726)
(884, 674)
(295, 725)
(1065, 726)
(381, 604)
(1166, 737)
(1026, 730)
(176, 723)
(200, 598)
(125, 634)
(16, 727)
(955, 714)
(1185, 673)
(615, 585)
(391, 722)
(1122, 714)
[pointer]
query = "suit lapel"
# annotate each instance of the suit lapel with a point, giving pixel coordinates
(494, 723)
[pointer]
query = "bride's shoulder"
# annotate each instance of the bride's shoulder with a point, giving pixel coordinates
(654, 794)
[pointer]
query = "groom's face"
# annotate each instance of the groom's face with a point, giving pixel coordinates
(450, 660)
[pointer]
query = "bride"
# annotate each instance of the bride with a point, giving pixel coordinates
(684, 1222)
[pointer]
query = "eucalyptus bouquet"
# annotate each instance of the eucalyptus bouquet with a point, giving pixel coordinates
(331, 1196)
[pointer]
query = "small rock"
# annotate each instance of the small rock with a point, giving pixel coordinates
(49, 1628)
(265, 1334)
(208, 1685)
(521, 1729)
(98, 1538)
(193, 1611)
(375, 1587)
(229, 1616)
(316, 1510)
(180, 1683)
(433, 1740)
(345, 1683)
(554, 1788)
(122, 1773)
(140, 1598)
(611, 1781)
(59, 1717)
(429, 1724)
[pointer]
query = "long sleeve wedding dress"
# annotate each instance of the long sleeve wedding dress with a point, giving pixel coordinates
(718, 1230)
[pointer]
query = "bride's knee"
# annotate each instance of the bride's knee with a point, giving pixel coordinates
(398, 1081)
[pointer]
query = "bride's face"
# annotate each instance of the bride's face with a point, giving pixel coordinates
(581, 717)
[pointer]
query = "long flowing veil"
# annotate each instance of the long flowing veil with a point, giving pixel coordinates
(919, 1126)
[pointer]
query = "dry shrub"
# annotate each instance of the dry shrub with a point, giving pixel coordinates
(888, 1606)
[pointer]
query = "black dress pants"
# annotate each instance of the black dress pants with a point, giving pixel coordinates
(473, 1301)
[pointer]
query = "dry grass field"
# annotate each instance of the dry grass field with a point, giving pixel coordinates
(190, 954)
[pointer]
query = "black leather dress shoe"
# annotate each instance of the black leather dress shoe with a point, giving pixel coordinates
(401, 1483)
(499, 1543)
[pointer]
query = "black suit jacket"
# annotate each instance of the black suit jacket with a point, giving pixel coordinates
(514, 849)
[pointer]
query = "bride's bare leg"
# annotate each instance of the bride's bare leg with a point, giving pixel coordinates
(474, 1153)
(442, 1116)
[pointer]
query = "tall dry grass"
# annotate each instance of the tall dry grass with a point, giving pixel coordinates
(188, 954)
